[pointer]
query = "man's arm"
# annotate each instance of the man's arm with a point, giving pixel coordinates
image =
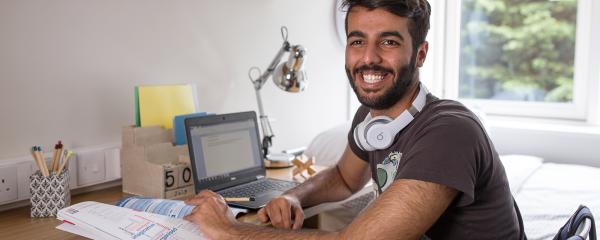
(333, 184)
(406, 210)
(348, 176)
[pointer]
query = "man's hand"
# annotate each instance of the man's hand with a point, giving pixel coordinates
(211, 214)
(280, 210)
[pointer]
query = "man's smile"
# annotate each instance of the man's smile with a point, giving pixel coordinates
(370, 80)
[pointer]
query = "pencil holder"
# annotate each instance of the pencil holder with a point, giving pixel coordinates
(49, 194)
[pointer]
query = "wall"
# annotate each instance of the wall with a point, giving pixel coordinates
(68, 67)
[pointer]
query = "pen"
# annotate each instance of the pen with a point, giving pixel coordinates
(239, 199)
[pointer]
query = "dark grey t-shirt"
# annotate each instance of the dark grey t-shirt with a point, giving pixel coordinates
(446, 144)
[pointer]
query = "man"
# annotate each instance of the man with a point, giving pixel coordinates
(438, 175)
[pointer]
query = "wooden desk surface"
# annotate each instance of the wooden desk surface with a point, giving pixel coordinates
(16, 223)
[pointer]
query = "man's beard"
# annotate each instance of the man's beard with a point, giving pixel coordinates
(392, 95)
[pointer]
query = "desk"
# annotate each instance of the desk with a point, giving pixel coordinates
(16, 223)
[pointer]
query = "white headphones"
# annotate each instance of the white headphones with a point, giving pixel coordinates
(376, 133)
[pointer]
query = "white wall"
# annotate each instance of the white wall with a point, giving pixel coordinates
(68, 67)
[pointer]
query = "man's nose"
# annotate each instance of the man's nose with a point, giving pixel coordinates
(371, 55)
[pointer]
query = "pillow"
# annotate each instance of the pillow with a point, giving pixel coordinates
(518, 169)
(328, 146)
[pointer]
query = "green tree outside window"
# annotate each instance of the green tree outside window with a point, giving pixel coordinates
(522, 50)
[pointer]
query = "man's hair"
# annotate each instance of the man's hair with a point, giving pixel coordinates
(417, 11)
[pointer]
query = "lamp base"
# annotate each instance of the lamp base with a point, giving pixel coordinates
(279, 160)
(276, 164)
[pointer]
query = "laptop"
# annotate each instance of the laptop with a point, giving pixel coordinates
(225, 155)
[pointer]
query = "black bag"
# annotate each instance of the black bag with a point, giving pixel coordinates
(578, 220)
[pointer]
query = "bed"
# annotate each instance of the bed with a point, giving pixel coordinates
(547, 193)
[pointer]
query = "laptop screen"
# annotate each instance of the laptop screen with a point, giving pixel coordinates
(221, 148)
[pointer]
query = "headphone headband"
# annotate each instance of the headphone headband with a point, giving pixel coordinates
(375, 133)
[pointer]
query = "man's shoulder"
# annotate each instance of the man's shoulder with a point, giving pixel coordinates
(444, 118)
(446, 106)
(449, 112)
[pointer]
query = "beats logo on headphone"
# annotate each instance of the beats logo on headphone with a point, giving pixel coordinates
(376, 133)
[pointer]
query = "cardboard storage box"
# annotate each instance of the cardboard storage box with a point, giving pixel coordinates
(152, 166)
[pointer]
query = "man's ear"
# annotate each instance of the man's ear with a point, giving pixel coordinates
(422, 53)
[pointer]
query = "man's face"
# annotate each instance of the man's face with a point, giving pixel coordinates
(379, 57)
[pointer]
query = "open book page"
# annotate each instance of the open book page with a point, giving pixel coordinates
(67, 227)
(104, 221)
(167, 207)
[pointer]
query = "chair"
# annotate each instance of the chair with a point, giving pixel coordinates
(580, 226)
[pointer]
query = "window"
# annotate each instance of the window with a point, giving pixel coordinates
(517, 50)
(518, 57)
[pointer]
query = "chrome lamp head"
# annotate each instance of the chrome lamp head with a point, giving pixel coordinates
(290, 75)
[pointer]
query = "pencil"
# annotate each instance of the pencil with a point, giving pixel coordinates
(239, 199)
(64, 162)
(43, 158)
(61, 156)
(36, 159)
(41, 161)
(55, 156)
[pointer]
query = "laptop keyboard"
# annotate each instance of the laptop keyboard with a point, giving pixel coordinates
(255, 188)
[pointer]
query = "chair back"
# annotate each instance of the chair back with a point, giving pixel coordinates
(580, 226)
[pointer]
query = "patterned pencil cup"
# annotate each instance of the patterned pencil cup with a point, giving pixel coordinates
(49, 194)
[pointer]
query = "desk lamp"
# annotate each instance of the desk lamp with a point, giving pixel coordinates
(288, 76)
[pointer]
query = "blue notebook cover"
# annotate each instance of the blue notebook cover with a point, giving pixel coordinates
(179, 126)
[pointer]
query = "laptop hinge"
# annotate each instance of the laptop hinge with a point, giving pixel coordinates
(260, 177)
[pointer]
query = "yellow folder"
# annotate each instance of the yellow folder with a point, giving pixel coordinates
(158, 104)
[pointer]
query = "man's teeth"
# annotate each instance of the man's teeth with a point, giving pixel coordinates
(372, 78)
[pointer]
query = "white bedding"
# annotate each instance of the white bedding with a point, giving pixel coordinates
(552, 193)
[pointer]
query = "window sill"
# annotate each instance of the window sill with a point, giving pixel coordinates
(542, 124)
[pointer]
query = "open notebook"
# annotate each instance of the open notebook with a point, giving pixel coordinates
(132, 218)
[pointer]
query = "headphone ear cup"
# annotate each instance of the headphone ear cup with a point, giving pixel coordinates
(377, 134)
(359, 137)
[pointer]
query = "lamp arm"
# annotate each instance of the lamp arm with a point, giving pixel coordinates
(258, 83)
(265, 124)
(264, 119)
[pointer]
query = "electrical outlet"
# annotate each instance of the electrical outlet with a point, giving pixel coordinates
(8, 184)
(25, 170)
(91, 167)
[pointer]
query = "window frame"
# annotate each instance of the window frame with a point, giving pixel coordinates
(448, 25)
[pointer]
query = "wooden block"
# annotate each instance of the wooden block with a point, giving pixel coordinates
(171, 177)
(300, 167)
(185, 175)
(180, 193)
